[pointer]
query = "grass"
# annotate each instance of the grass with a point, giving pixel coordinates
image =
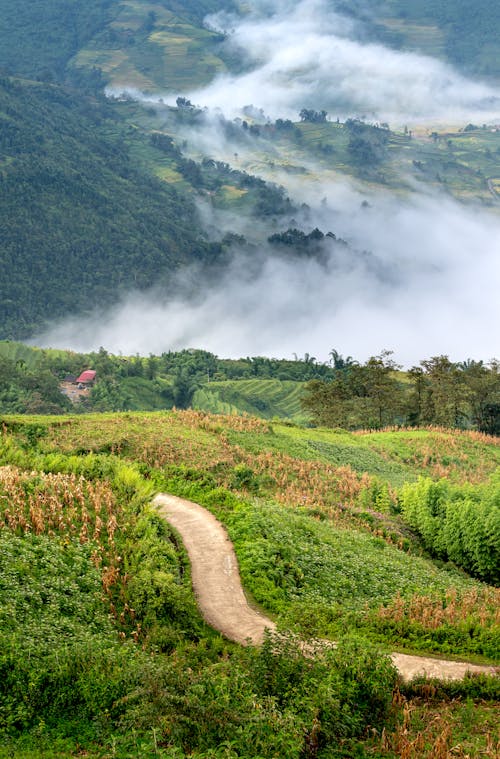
(310, 561)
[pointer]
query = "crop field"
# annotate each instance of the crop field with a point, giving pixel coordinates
(96, 589)
(149, 47)
(264, 398)
(462, 162)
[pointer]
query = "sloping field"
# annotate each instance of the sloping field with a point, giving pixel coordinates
(259, 397)
(317, 518)
(149, 47)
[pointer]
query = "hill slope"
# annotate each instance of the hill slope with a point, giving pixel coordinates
(98, 618)
(80, 222)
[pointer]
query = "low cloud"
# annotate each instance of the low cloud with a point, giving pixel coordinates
(431, 281)
(430, 286)
(305, 55)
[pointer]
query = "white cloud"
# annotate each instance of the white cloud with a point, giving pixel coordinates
(305, 55)
(433, 282)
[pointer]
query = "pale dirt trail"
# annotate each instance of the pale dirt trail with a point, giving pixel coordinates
(222, 602)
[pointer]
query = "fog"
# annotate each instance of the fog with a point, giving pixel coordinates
(430, 287)
(305, 55)
(430, 283)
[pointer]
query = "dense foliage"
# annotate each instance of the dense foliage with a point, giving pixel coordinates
(74, 609)
(439, 391)
(41, 38)
(81, 224)
(338, 393)
(468, 32)
(458, 523)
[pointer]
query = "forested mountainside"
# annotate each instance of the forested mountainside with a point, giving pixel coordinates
(57, 39)
(42, 38)
(84, 216)
(80, 221)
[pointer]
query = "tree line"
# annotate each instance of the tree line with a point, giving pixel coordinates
(341, 392)
(377, 394)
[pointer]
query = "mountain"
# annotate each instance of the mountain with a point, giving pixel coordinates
(102, 196)
(81, 222)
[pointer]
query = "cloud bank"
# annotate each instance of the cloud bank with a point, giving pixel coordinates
(305, 55)
(430, 287)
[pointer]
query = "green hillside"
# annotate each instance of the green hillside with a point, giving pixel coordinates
(259, 397)
(81, 222)
(99, 624)
(343, 393)
(97, 197)
(137, 42)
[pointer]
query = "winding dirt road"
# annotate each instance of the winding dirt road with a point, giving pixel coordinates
(222, 602)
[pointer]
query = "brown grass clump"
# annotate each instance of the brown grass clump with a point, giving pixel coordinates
(64, 506)
(482, 605)
(440, 730)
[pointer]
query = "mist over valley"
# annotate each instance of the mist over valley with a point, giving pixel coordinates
(374, 135)
(430, 273)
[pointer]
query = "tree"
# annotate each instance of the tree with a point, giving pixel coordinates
(339, 362)
(482, 386)
(312, 116)
(367, 395)
(445, 400)
(383, 388)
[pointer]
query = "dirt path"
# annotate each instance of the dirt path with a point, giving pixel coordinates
(222, 602)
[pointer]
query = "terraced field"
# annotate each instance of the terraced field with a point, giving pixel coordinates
(264, 398)
(149, 47)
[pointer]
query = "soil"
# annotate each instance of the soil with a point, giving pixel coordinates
(222, 601)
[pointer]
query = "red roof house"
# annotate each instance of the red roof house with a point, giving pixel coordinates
(87, 377)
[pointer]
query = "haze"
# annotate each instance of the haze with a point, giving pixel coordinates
(431, 284)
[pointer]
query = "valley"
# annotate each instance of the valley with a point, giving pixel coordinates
(248, 327)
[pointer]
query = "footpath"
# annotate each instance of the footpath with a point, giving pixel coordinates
(222, 602)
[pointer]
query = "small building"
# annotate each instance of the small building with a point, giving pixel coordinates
(86, 378)
(77, 388)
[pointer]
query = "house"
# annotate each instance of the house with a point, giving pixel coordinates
(86, 378)
(76, 388)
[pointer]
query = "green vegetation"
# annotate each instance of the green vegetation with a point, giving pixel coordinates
(91, 43)
(39, 38)
(462, 160)
(458, 523)
(103, 651)
(76, 168)
(30, 380)
(266, 398)
(341, 393)
(438, 391)
(81, 223)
